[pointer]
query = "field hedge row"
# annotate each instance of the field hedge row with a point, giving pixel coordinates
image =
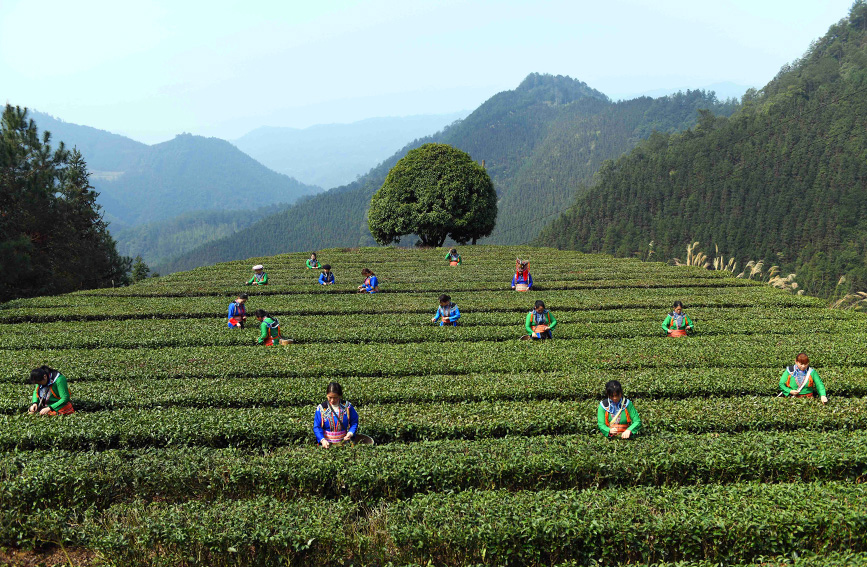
(32, 480)
(92, 396)
(73, 308)
(407, 328)
(272, 427)
(723, 523)
(412, 359)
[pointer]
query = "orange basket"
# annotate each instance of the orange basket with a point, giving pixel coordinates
(677, 333)
(522, 287)
(540, 328)
(453, 263)
(618, 428)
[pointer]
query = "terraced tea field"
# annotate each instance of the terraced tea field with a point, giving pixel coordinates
(192, 446)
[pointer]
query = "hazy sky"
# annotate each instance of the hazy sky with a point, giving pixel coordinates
(153, 68)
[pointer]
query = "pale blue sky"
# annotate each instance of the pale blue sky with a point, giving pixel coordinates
(153, 68)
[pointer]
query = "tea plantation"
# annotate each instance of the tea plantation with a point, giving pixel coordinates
(191, 445)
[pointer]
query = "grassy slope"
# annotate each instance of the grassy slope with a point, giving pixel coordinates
(487, 450)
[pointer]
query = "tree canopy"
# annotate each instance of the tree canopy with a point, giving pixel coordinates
(435, 191)
(52, 236)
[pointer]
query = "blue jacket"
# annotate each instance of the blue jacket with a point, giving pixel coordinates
(451, 311)
(371, 287)
(325, 420)
(236, 310)
(516, 280)
(326, 280)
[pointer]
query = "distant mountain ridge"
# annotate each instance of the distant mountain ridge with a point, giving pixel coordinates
(330, 155)
(541, 143)
(142, 184)
(783, 180)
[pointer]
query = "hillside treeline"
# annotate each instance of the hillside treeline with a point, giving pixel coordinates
(540, 143)
(52, 236)
(782, 180)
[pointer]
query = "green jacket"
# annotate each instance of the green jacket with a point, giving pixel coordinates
(312, 265)
(58, 393)
(528, 323)
(789, 385)
(670, 323)
(629, 416)
(254, 281)
(270, 328)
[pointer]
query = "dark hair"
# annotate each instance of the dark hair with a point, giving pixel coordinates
(366, 272)
(261, 313)
(540, 303)
(802, 358)
(455, 250)
(38, 374)
(326, 266)
(445, 298)
(613, 387)
(677, 304)
(334, 388)
(313, 253)
(243, 296)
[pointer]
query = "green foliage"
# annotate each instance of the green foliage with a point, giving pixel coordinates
(190, 445)
(52, 236)
(541, 144)
(140, 270)
(434, 191)
(781, 180)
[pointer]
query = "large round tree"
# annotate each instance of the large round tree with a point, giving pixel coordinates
(435, 191)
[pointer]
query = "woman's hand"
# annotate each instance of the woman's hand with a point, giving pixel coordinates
(824, 399)
(434, 320)
(347, 437)
(33, 408)
(325, 443)
(45, 411)
(625, 434)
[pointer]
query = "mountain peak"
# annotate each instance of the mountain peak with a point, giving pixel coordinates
(558, 89)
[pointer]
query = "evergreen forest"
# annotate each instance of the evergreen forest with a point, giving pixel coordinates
(782, 180)
(52, 236)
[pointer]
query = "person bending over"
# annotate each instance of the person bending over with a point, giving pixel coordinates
(335, 421)
(616, 416)
(51, 395)
(237, 312)
(371, 282)
(259, 276)
(539, 323)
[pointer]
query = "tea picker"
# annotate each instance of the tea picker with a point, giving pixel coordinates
(336, 421)
(616, 415)
(802, 381)
(539, 323)
(522, 280)
(259, 276)
(677, 323)
(51, 395)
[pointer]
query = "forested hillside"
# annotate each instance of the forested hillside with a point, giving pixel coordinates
(782, 180)
(539, 142)
(140, 184)
(161, 241)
